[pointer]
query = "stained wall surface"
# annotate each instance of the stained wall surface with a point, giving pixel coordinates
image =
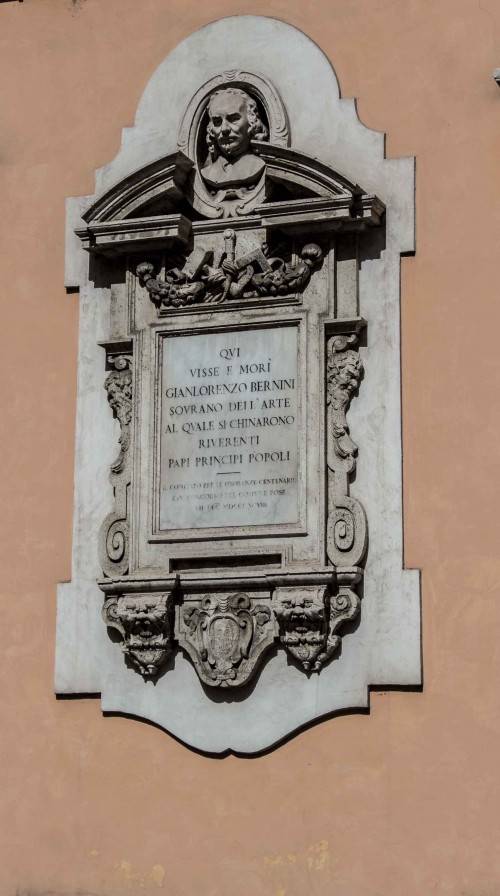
(405, 799)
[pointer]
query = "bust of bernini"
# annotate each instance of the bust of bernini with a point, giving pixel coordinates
(234, 121)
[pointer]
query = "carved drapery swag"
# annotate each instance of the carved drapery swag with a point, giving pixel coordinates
(289, 217)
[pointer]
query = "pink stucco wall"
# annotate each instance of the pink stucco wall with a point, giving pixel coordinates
(404, 801)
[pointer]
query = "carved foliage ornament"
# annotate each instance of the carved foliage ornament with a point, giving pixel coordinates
(344, 371)
(118, 385)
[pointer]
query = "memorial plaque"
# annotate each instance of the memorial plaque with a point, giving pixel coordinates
(239, 249)
(229, 429)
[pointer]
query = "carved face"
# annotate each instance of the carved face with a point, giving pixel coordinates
(229, 122)
(303, 623)
(348, 369)
(145, 622)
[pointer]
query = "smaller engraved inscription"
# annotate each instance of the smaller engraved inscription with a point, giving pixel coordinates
(229, 429)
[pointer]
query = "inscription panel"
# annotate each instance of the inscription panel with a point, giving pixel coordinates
(229, 429)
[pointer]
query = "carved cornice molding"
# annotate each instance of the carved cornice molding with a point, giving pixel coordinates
(166, 178)
(334, 204)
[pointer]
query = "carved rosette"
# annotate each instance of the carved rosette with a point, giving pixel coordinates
(226, 635)
(308, 619)
(114, 534)
(344, 606)
(145, 622)
(347, 532)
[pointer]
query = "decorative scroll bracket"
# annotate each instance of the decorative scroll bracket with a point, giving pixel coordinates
(114, 536)
(347, 534)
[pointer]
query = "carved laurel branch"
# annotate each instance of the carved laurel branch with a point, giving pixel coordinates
(344, 371)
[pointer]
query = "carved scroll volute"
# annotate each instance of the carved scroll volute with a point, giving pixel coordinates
(344, 606)
(145, 622)
(114, 534)
(346, 527)
(347, 532)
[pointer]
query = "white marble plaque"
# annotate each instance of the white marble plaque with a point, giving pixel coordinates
(229, 429)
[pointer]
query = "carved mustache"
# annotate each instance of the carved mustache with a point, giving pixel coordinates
(307, 614)
(314, 639)
(147, 640)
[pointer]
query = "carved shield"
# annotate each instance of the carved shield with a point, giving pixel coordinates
(226, 635)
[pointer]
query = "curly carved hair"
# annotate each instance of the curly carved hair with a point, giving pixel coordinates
(344, 371)
(257, 129)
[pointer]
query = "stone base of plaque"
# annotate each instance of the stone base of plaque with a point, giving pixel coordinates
(226, 625)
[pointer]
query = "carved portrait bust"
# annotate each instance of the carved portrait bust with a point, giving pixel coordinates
(234, 121)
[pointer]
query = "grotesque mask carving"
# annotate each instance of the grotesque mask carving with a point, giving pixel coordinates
(308, 620)
(146, 623)
(303, 622)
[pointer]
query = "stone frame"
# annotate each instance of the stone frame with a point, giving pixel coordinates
(385, 648)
